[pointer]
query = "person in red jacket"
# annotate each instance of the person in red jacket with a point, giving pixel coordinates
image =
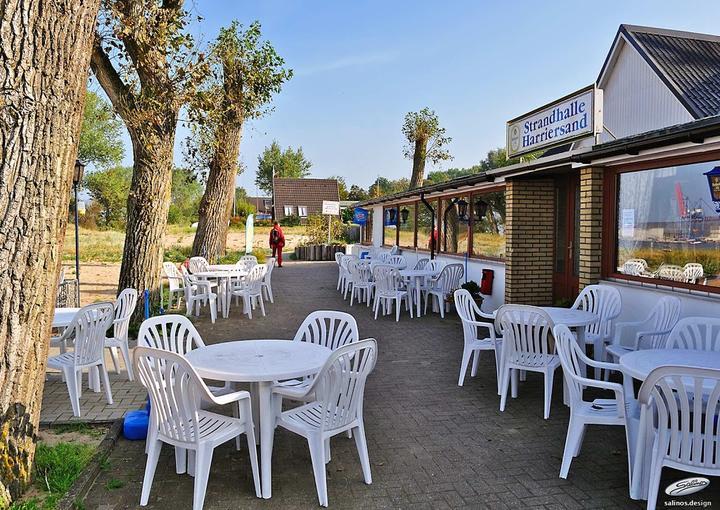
(277, 241)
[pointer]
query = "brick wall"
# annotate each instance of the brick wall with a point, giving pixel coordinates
(591, 209)
(529, 223)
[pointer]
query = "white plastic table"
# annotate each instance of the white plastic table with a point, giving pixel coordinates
(417, 275)
(260, 362)
(63, 317)
(224, 267)
(638, 365)
(223, 278)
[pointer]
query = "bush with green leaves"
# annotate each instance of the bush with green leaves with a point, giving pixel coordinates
(316, 230)
(290, 221)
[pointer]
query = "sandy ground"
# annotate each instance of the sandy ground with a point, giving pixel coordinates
(235, 240)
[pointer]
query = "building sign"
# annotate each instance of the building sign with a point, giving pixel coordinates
(330, 207)
(627, 225)
(360, 216)
(575, 116)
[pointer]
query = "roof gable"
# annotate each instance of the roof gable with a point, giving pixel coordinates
(308, 193)
(687, 63)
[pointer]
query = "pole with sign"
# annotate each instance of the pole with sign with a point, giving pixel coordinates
(331, 208)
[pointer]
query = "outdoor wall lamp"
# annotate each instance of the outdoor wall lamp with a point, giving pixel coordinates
(404, 213)
(713, 177)
(462, 206)
(481, 207)
(392, 216)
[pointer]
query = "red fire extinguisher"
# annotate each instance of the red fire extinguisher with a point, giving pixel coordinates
(486, 283)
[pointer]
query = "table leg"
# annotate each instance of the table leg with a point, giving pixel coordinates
(580, 335)
(254, 404)
(226, 297)
(418, 296)
(267, 431)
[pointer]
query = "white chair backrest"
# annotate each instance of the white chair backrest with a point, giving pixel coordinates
(383, 256)
(434, 265)
(175, 392)
(173, 333)
(605, 302)
(387, 280)
(469, 313)
(421, 263)
(687, 403)
(699, 333)
(253, 280)
(693, 272)
(526, 333)
(342, 379)
(663, 317)
(450, 276)
(89, 327)
(174, 276)
(634, 267)
(328, 328)
(359, 271)
(397, 261)
(124, 308)
(198, 265)
(344, 261)
(250, 261)
(338, 256)
(671, 272)
(394, 250)
(269, 266)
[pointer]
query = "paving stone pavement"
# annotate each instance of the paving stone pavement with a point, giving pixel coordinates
(432, 444)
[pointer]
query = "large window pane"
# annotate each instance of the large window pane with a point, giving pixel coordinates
(390, 221)
(407, 226)
(667, 227)
(456, 219)
(424, 221)
(489, 224)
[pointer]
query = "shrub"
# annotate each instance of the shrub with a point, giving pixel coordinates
(177, 253)
(316, 230)
(291, 221)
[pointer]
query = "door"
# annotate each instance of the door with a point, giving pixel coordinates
(567, 235)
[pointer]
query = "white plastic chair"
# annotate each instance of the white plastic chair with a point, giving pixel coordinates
(341, 274)
(693, 272)
(338, 408)
(198, 265)
(526, 346)
(650, 333)
(88, 329)
(251, 290)
(469, 311)
(605, 302)
(249, 261)
(635, 267)
(698, 333)
(124, 308)
(447, 282)
(397, 261)
(600, 411)
(176, 391)
(175, 283)
(671, 272)
(346, 284)
(686, 435)
(389, 291)
(199, 292)
(421, 263)
(361, 284)
(267, 279)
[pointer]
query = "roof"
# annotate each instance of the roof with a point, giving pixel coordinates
(688, 64)
(309, 193)
(259, 202)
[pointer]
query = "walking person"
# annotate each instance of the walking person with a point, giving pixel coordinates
(277, 242)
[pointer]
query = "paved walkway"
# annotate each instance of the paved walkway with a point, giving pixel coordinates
(432, 444)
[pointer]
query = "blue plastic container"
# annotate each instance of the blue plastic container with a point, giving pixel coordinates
(135, 425)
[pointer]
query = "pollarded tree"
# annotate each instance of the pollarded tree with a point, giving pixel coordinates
(245, 73)
(426, 140)
(144, 60)
(44, 70)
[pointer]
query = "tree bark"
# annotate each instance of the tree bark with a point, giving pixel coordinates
(418, 171)
(43, 71)
(216, 204)
(147, 208)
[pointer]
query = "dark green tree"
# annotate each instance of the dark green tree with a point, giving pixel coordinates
(285, 163)
(109, 188)
(357, 193)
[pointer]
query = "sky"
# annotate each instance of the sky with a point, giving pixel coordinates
(361, 66)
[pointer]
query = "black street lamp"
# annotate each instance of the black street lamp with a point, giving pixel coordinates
(77, 179)
(481, 207)
(713, 177)
(462, 209)
(404, 213)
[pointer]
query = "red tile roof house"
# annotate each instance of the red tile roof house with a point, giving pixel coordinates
(302, 197)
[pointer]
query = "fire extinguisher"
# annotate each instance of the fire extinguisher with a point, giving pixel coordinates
(486, 283)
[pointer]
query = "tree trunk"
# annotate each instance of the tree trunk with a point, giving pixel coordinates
(147, 209)
(418, 171)
(216, 204)
(43, 71)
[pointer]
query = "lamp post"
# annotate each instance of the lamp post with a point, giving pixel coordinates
(713, 177)
(77, 179)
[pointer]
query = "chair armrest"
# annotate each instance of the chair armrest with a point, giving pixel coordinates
(228, 397)
(291, 392)
(480, 324)
(641, 334)
(621, 326)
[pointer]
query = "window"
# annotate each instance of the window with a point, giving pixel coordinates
(407, 226)
(424, 224)
(488, 225)
(390, 220)
(666, 227)
(455, 221)
(302, 211)
(288, 210)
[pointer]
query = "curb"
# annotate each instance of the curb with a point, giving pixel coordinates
(84, 482)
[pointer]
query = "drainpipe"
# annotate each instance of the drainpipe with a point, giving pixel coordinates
(432, 225)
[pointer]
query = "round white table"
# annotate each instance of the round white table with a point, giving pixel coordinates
(417, 275)
(638, 365)
(260, 362)
(63, 317)
(223, 278)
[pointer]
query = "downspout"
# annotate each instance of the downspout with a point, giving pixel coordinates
(432, 225)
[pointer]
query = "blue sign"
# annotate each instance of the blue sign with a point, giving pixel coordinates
(360, 215)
